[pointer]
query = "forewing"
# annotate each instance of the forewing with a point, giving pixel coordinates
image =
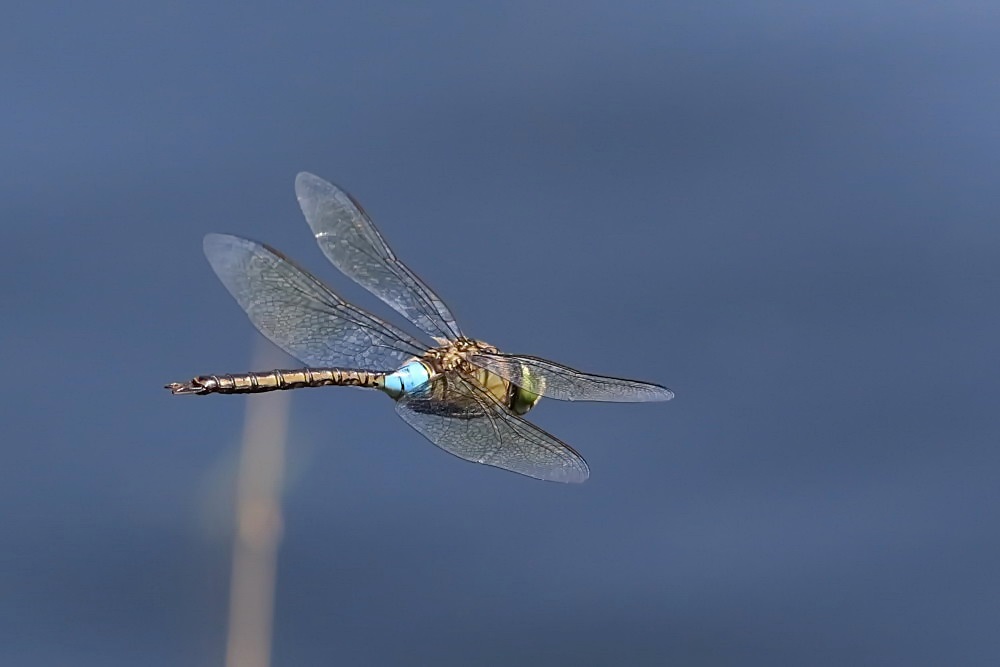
(463, 419)
(299, 314)
(547, 378)
(349, 239)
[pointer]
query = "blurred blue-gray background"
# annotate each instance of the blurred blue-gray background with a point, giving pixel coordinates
(787, 212)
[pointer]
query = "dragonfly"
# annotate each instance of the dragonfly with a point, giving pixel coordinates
(464, 395)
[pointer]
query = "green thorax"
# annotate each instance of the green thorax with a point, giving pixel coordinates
(454, 357)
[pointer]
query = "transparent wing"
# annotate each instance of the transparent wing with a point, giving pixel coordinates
(547, 378)
(299, 314)
(349, 239)
(461, 418)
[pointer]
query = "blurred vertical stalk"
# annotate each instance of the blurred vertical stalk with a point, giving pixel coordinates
(258, 523)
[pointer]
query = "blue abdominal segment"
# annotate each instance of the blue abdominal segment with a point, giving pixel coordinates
(406, 379)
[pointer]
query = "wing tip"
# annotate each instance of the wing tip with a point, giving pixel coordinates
(308, 184)
(218, 247)
(304, 177)
(213, 244)
(577, 472)
(213, 239)
(663, 393)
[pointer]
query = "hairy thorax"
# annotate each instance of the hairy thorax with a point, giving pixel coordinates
(455, 357)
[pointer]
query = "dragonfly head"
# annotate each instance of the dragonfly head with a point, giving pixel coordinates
(521, 400)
